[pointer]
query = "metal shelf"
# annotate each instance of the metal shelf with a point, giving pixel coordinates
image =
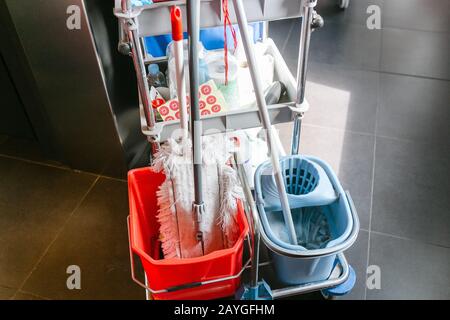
(241, 119)
(154, 19)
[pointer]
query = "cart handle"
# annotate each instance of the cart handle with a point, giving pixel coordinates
(182, 286)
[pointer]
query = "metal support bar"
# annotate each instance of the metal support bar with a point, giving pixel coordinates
(251, 218)
(303, 53)
(296, 133)
(131, 29)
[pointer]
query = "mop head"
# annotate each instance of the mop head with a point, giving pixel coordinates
(176, 195)
(311, 226)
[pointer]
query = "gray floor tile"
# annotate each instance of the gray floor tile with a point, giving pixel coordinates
(426, 15)
(35, 201)
(6, 293)
(415, 109)
(95, 239)
(411, 191)
(357, 258)
(352, 46)
(36, 187)
(340, 98)
(349, 154)
(416, 53)
(409, 269)
(356, 13)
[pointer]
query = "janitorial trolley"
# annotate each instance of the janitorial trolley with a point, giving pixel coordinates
(294, 204)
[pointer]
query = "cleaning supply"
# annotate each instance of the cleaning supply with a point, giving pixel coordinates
(177, 35)
(171, 67)
(176, 195)
(217, 72)
(273, 94)
(244, 80)
(157, 101)
(211, 101)
(155, 78)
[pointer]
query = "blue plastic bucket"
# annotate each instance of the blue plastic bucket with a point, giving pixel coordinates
(320, 210)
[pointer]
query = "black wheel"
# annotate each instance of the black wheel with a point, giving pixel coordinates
(327, 296)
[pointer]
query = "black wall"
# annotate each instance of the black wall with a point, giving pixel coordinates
(13, 118)
(77, 92)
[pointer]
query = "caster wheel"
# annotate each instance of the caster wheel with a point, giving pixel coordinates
(317, 22)
(342, 289)
(327, 296)
(124, 48)
(343, 4)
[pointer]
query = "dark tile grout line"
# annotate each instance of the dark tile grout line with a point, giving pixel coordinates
(38, 163)
(30, 294)
(56, 237)
(414, 30)
(312, 125)
(404, 140)
(384, 26)
(372, 135)
(372, 187)
(344, 67)
(412, 76)
(410, 239)
(7, 287)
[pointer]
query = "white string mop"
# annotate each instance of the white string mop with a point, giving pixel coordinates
(176, 194)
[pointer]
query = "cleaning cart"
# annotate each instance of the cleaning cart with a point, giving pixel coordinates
(322, 269)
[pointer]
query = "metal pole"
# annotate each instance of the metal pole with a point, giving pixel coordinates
(193, 19)
(264, 114)
(303, 53)
(296, 133)
(252, 218)
(139, 66)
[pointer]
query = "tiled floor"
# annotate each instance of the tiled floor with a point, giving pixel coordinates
(379, 115)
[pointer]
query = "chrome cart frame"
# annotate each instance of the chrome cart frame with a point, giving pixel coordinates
(135, 25)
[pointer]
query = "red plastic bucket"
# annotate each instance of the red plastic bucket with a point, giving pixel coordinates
(169, 273)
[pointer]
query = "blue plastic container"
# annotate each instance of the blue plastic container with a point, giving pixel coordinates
(320, 211)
